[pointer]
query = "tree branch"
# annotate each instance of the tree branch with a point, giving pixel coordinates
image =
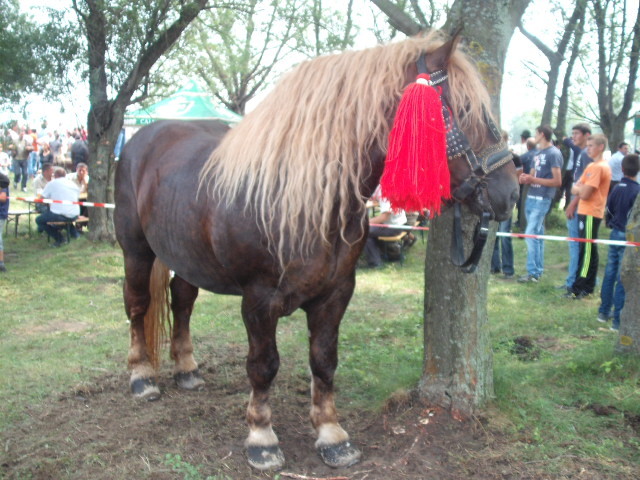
(398, 18)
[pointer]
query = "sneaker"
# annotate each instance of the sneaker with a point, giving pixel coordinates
(24, 190)
(528, 279)
(612, 329)
(507, 276)
(561, 287)
(602, 318)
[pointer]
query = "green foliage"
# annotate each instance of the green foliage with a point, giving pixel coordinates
(188, 471)
(34, 56)
(238, 50)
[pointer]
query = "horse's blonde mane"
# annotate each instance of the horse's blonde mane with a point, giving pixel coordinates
(304, 146)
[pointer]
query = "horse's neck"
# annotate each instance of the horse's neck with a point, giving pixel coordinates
(372, 172)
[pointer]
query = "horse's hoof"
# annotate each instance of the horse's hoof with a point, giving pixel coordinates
(189, 380)
(265, 458)
(145, 389)
(340, 455)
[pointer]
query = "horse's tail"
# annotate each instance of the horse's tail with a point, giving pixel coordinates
(157, 320)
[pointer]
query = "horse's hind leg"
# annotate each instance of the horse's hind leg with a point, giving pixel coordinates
(263, 362)
(323, 318)
(186, 374)
(138, 267)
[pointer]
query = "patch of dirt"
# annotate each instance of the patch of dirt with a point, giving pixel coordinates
(56, 327)
(525, 349)
(98, 431)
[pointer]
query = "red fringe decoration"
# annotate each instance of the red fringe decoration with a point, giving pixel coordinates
(416, 174)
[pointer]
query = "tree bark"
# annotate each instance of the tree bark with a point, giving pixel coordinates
(613, 123)
(629, 339)
(106, 116)
(556, 58)
(458, 363)
(458, 371)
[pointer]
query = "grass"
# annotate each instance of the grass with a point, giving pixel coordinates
(63, 323)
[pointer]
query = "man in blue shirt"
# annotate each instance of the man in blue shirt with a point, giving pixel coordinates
(619, 206)
(543, 179)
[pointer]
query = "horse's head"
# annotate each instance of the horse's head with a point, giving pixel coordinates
(482, 172)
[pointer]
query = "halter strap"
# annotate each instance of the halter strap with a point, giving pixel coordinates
(481, 165)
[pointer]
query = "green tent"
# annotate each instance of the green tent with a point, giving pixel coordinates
(188, 103)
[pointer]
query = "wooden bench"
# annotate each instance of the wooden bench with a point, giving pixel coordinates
(396, 242)
(66, 225)
(14, 216)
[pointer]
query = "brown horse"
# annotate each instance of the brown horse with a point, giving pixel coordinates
(277, 215)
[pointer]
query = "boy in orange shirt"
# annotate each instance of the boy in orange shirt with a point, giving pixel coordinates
(592, 189)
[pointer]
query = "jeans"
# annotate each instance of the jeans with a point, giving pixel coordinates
(371, 248)
(535, 210)
(20, 171)
(34, 160)
(574, 250)
(54, 232)
(504, 244)
(612, 291)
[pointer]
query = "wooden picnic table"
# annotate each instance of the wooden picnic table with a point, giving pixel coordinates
(14, 216)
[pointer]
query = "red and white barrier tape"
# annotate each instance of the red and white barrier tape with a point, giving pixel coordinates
(64, 202)
(620, 243)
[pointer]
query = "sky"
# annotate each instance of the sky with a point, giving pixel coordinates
(521, 91)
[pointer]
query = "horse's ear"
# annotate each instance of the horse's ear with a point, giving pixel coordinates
(439, 58)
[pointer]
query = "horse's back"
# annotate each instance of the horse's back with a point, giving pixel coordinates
(158, 203)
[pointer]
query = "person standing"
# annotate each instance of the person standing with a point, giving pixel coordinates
(578, 161)
(592, 190)
(4, 213)
(56, 150)
(23, 148)
(543, 179)
(615, 163)
(502, 258)
(526, 159)
(619, 206)
(79, 152)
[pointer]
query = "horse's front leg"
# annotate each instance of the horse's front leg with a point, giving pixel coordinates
(263, 361)
(323, 317)
(185, 373)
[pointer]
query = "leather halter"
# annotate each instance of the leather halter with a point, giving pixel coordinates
(481, 165)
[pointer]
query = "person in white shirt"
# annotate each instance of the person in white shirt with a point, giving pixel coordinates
(60, 188)
(615, 162)
(387, 216)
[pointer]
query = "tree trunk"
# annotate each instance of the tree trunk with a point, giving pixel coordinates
(458, 363)
(613, 123)
(629, 339)
(458, 369)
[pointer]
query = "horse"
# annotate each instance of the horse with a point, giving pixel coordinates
(273, 210)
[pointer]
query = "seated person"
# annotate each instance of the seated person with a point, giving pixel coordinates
(81, 178)
(60, 188)
(387, 217)
(40, 182)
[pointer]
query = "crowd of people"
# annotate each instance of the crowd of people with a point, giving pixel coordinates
(56, 164)
(594, 189)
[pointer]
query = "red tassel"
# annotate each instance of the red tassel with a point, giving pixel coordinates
(416, 174)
